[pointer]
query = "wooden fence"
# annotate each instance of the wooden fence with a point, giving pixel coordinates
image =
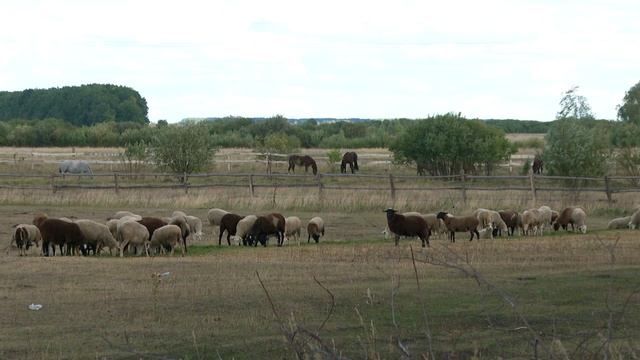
(393, 184)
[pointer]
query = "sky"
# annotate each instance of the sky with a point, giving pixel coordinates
(367, 59)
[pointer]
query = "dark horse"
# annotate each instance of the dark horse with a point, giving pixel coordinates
(304, 160)
(350, 158)
(537, 165)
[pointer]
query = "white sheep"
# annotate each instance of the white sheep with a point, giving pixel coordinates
(546, 216)
(167, 236)
(195, 225)
(134, 234)
(121, 214)
(573, 216)
(619, 223)
(25, 235)
(531, 222)
(215, 216)
(634, 221)
(491, 220)
(97, 235)
(292, 228)
(243, 227)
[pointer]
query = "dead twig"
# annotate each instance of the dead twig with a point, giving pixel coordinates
(424, 310)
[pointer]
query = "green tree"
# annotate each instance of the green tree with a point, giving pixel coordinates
(334, 157)
(629, 111)
(183, 149)
(280, 143)
(574, 149)
(573, 105)
(448, 144)
(134, 156)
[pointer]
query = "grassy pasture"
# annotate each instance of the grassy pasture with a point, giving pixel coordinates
(569, 288)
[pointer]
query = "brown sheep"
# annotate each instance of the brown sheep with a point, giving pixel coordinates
(315, 228)
(59, 232)
(401, 225)
(152, 223)
(510, 218)
(460, 224)
(573, 216)
(228, 223)
(272, 224)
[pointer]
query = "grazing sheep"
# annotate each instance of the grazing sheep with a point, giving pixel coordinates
(181, 221)
(195, 225)
(634, 221)
(121, 214)
(178, 213)
(573, 216)
(292, 228)
(243, 227)
(407, 225)
(484, 219)
(62, 233)
(96, 235)
(460, 224)
(215, 216)
(166, 237)
(24, 235)
(132, 233)
(113, 227)
(435, 225)
(228, 223)
(546, 216)
(619, 223)
(315, 229)
(531, 222)
(510, 218)
(272, 224)
(152, 223)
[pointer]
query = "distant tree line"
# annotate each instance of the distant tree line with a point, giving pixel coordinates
(84, 105)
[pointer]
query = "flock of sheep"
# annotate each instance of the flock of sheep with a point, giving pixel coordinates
(484, 223)
(126, 231)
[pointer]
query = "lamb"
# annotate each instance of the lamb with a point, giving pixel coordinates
(272, 224)
(132, 233)
(121, 214)
(460, 224)
(510, 218)
(96, 235)
(168, 237)
(195, 225)
(24, 235)
(531, 222)
(619, 223)
(315, 229)
(228, 223)
(243, 227)
(574, 216)
(215, 216)
(292, 227)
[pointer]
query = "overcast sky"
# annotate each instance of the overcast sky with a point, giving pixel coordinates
(371, 59)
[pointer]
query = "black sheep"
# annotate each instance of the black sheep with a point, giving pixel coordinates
(410, 226)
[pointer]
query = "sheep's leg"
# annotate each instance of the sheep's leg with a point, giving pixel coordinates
(123, 245)
(228, 238)
(220, 237)
(397, 239)
(146, 248)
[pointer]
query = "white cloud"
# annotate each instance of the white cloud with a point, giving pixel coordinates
(495, 58)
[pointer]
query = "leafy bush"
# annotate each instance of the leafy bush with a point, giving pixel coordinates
(182, 149)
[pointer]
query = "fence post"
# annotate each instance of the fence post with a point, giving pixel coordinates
(463, 185)
(533, 188)
(53, 184)
(320, 188)
(228, 163)
(115, 180)
(251, 185)
(607, 189)
(392, 188)
(185, 183)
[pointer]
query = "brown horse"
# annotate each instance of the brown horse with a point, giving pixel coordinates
(350, 158)
(302, 160)
(537, 165)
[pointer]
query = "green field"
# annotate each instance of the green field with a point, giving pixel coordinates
(484, 299)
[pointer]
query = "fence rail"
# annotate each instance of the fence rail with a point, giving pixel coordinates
(463, 183)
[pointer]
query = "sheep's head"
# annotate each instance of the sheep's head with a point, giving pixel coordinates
(442, 215)
(556, 226)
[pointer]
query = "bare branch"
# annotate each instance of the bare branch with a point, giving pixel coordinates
(333, 304)
(424, 311)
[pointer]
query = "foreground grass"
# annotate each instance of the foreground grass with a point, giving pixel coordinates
(570, 290)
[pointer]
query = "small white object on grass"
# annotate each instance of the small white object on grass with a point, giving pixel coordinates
(35, 307)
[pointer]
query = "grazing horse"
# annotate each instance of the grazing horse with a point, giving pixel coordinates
(537, 165)
(304, 160)
(350, 158)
